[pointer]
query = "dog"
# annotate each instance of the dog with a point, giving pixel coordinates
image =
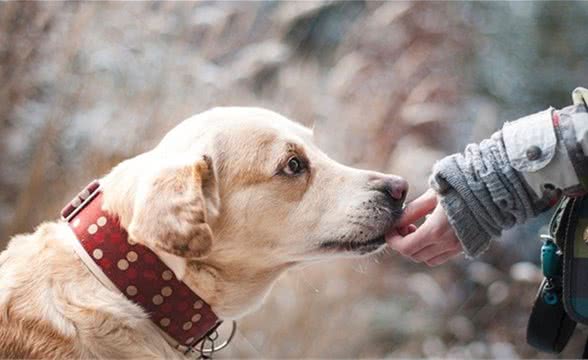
(229, 200)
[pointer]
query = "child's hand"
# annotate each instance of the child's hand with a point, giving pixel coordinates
(434, 242)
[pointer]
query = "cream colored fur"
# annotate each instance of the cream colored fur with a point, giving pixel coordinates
(219, 184)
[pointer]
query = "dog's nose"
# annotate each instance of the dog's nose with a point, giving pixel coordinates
(394, 187)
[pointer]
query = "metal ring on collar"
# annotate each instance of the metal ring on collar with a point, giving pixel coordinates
(211, 350)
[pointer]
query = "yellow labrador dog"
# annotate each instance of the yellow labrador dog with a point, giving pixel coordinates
(229, 200)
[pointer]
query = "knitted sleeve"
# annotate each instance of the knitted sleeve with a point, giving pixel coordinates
(482, 194)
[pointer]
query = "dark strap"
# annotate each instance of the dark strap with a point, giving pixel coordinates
(575, 267)
(549, 328)
(559, 221)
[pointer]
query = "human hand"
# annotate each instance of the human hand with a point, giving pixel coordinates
(434, 242)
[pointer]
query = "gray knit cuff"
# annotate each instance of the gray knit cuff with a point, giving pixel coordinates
(461, 206)
(471, 235)
(482, 194)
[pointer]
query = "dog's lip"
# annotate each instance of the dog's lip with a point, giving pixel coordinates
(362, 247)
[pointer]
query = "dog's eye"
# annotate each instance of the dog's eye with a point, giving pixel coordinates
(294, 167)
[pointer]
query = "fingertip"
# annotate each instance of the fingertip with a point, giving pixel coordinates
(406, 230)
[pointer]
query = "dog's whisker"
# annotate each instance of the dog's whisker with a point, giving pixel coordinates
(316, 291)
(360, 268)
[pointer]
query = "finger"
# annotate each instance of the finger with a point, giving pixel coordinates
(442, 258)
(403, 231)
(412, 243)
(444, 244)
(418, 208)
(429, 252)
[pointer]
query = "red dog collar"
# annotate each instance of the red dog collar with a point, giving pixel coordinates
(137, 272)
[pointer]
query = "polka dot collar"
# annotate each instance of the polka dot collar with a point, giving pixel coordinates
(137, 272)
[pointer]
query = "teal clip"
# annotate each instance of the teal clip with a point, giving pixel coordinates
(550, 259)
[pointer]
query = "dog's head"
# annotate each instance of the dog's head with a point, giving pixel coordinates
(234, 196)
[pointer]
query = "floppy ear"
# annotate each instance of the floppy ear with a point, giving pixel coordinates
(172, 207)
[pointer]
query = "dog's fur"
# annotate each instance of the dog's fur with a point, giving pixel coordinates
(218, 203)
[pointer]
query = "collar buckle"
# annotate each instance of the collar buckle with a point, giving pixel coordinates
(80, 201)
(205, 347)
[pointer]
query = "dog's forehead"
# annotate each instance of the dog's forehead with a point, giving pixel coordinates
(256, 127)
(236, 128)
(269, 132)
(267, 122)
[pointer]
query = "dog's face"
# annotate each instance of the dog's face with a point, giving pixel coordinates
(242, 194)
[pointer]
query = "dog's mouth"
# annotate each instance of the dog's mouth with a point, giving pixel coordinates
(360, 247)
(363, 247)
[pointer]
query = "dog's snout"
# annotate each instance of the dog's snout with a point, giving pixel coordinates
(394, 187)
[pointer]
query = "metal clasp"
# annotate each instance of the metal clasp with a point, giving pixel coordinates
(206, 346)
(84, 201)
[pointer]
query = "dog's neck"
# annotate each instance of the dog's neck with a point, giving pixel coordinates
(120, 263)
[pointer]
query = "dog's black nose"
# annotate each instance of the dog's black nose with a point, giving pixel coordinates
(394, 187)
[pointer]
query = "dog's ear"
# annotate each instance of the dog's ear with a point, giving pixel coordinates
(172, 208)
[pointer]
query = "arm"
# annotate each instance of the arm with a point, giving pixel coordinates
(514, 175)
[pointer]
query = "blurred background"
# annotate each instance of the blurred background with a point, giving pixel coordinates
(391, 86)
